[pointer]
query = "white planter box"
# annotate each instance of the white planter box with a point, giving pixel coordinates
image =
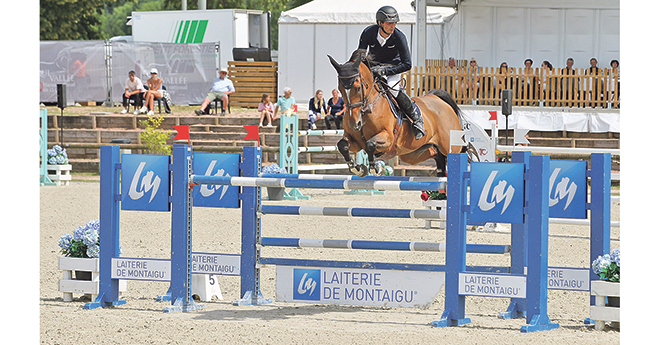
(431, 205)
(68, 286)
(60, 174)
(600, 312)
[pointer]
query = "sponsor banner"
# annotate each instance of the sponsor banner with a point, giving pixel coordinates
(492, 285)
(363, 287)
(568, 189)
(215, 164)
(141, 269)
(223, 264)
(145, 183)
(496, 192)
(565, 278)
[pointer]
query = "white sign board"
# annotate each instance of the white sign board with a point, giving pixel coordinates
(492, 285)
(562, 278)
(364, 287)
(141, 269)
(224, 264)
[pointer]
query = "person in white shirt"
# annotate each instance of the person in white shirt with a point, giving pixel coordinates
(133, 90)
(221, 89)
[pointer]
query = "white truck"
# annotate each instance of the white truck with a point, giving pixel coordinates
(229, 28)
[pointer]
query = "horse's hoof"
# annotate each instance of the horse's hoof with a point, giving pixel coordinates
(362, 170)
(377, 171)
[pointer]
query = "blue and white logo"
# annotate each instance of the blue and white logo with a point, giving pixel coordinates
(568, 189)
(145, 182)
(215, 164)
(307, 284)
(496, 192)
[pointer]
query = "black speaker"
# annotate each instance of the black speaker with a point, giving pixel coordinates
(61, 96)
(507, 96)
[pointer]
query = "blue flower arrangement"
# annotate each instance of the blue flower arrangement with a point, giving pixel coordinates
(273, 169)
(84, 242)
(57, 155)
(608, 266)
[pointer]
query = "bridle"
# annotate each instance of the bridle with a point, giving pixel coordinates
(366, 107)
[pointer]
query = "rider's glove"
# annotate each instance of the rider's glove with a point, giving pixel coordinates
(379, 71)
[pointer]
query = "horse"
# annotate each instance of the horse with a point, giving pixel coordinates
(370, 125)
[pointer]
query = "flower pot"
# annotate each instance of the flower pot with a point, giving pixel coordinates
(275, 193)
(607, 302)
(60, 174)
(86, 279)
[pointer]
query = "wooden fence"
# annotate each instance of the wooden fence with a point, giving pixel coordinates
(534, 87)
(252, 79)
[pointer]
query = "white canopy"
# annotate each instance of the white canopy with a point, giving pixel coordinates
(357, 12)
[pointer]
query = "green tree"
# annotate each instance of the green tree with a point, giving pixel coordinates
(113, 19)
(70, 19)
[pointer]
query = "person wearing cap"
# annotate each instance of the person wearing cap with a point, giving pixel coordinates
(154, 90)
(388, 46)
(221, 89)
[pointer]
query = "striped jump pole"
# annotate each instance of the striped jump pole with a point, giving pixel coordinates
(317, 184)
(354, 177)
(378, 245)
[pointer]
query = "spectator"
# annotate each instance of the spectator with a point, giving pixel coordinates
(503, 79)
(155, 88)
(570, 86)
(335, 111)
(133, 89)
(220, 90)
(471, 83)
(286, 103)
(452, 62)
(596, 82)
(316, 107)
(614, 84)
(529, 82)
(266, 109)
(548, 83)
(448, 81)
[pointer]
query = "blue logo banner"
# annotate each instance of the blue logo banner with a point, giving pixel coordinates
(496, 192)
(145, 182)
(307, 284)
(215, 164)
(568, 189)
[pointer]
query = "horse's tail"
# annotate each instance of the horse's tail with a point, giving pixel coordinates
(445, 96)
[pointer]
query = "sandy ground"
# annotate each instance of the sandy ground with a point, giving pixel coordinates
(142, 321)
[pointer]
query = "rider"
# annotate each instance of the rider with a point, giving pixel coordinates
(388, 45)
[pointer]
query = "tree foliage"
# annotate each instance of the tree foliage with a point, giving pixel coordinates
(70, 19)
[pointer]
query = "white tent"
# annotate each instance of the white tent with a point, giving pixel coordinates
(493, 31)
(307, 34)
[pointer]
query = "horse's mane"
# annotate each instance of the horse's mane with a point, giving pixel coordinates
(368, 59)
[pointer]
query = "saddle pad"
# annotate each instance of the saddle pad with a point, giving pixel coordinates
(398, 113)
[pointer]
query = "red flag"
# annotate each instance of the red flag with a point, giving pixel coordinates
(252, 133)
(182, 132)
(493, 115)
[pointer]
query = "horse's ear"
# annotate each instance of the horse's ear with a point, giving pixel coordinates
(356, 64)
(334, 63)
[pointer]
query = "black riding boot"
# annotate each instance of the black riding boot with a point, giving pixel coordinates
(415, 116)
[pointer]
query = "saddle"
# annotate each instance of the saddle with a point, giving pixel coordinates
(394, 106)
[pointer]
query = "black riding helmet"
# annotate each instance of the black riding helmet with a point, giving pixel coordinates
(387, 14)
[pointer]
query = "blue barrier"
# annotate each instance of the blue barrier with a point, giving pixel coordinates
(528, 249)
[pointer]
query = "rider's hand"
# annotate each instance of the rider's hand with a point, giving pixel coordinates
(379, 71)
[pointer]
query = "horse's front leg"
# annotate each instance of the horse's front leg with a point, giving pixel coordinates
(344, 147)
(379, 142)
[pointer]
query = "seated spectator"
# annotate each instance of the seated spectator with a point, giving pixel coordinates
(133, 89)
(335, 110)
(266, 110)
(286, 103)
(221, 89)
(316, 108)
(155, 88)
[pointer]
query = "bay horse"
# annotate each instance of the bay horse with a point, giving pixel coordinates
(370, 125)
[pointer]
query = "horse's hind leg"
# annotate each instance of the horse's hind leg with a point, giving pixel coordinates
(344, 147)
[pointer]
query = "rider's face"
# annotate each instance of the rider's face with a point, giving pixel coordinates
(388, 28)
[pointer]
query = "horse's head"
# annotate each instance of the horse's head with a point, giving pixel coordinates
(352, 86)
